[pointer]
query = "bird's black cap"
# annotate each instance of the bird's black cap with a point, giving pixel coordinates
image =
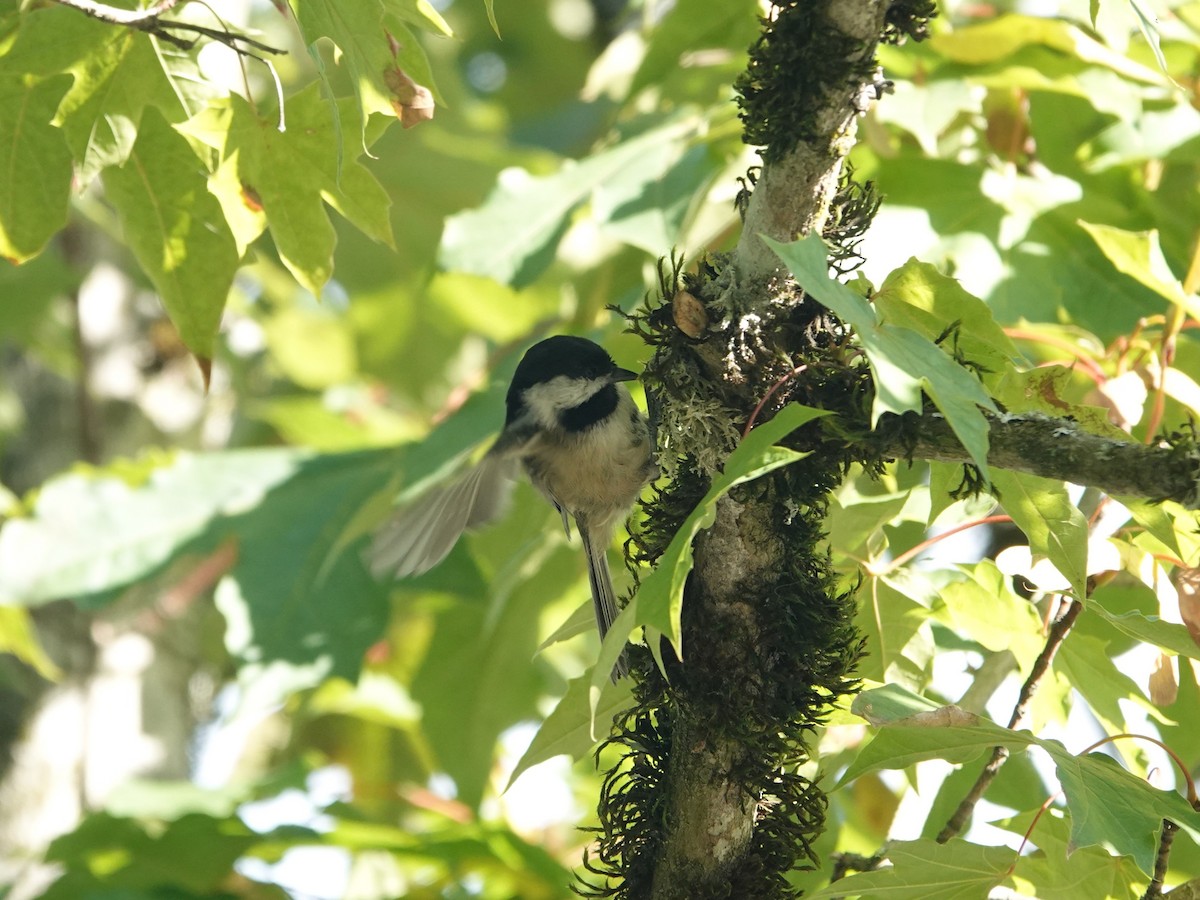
(574, 357)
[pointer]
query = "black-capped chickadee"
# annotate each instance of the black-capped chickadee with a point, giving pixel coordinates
(582, 442)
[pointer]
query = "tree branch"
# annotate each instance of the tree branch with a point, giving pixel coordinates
(114, 15)
(729, 808)
(1058, 633)
(1161, 861)
(1059, 449)
(150, 21)
(793, 194)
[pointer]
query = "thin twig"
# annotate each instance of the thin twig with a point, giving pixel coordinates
(844, 863)
(1161, 861)
(150, 21)
(114, 15)
(1057, 634)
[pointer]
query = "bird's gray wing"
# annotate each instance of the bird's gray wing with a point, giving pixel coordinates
(418, 536)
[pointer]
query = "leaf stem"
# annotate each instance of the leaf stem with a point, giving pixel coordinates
(767, 396)
(1192, 798)
(929, 542)
(1085, 361)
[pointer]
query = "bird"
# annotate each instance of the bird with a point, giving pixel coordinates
(572, 426)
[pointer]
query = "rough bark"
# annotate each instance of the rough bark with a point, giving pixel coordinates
(711, 813)
(1059, 449)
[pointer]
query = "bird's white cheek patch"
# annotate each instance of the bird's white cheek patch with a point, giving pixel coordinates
(548, 399)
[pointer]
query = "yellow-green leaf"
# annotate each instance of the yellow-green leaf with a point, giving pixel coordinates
(176, 230)
(1055, 527)
(904, 362)
(1139, 255)
(35, 166)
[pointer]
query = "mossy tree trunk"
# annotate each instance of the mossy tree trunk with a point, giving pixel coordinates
(707, 801)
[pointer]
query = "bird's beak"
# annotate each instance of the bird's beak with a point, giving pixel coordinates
(623, 375)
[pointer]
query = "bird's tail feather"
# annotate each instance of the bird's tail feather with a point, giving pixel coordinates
(604, 600)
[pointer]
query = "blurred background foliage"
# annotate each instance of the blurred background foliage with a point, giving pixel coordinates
(205, 694)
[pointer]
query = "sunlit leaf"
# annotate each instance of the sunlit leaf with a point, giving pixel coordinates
(569, 727)
(904, 362)
(1001, 37)
(18, 637)
(176, 230)
(1054, 525)
(1107, 803)
(89, 534)
(694, 26)
(1138, 255)
(919, 297)
(513, 236)
(377, 48)
(984, 607)
(1055, 871)
(928, 870)
(479, 676)
(35, 164)
(117, 72)
(658, 603)
(290, 175)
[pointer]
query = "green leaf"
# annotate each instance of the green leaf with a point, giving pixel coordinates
(1148, 24)
(569, 727)
(91, 532)
(1055, 873)
(1085, 662)
(1046, 389)
(1170, 528)
(176, 230)
(644, 205)
(919, 297)
(314, 348)
(291, 571)
(476, 679)
(1111, 806)
(88, 535)
(984, 608)
(902, 361)
(893, 613)
(513, 236)
(926, 111)
(945, 733)
(377, 48)
(927, 870)
(658, 603)
(117, 72)
(1055, 527)
(692, 26)
(36, 165)
(490, 6)
(1169, 636)
(18, 637)
(1108, 804)
(194, 853)
(995, 40)
(291, 174)
(851, 525)
(1138, 255)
